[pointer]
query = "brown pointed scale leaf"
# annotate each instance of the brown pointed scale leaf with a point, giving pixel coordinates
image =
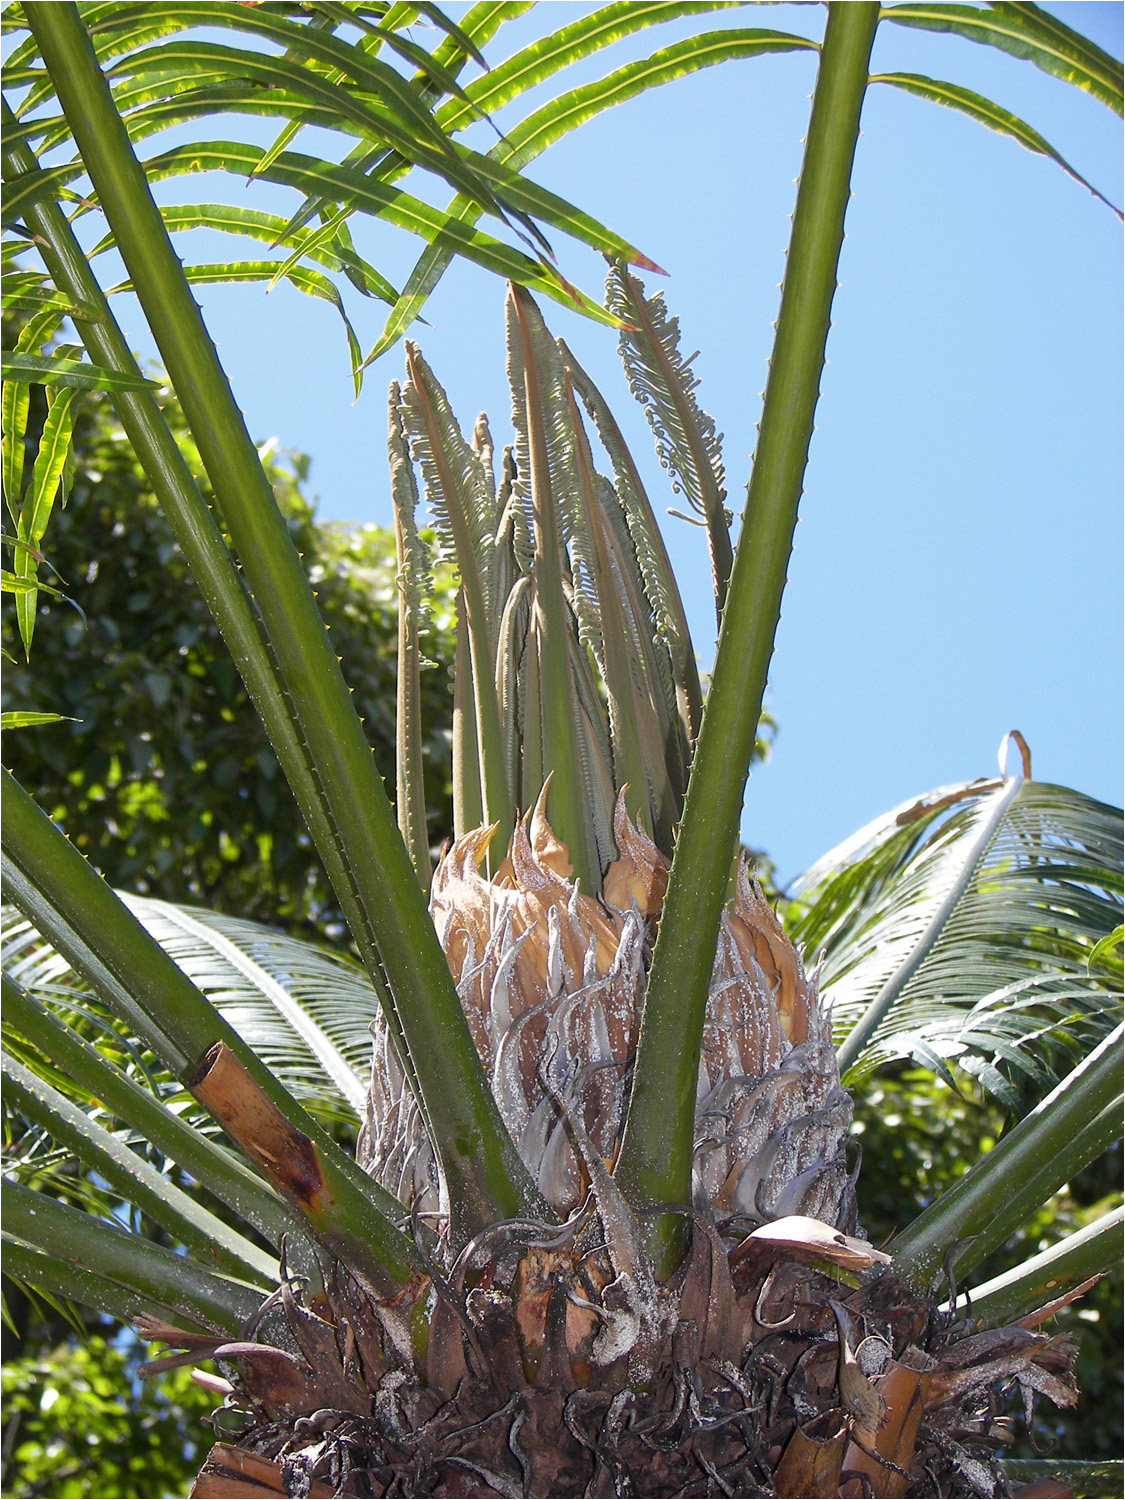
(707, 1296)
(548, 848)
(546, 976)
(862, 1402)
(1049, 1309)
(760, 939)
(639, 876)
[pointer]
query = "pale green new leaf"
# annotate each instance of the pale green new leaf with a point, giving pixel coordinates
(665, 612)
(414, 577)
(461, 495)
(544, 470)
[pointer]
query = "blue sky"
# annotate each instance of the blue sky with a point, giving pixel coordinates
(957, 566)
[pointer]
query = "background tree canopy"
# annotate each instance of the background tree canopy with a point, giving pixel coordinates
(165, 779)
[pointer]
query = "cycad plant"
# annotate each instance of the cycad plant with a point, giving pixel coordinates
(598, 1234)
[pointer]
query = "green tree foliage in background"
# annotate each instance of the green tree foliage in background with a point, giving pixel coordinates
(165, 778)
(78, 1422)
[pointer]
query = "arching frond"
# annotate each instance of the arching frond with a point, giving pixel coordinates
(961, 929)
(305, 1011)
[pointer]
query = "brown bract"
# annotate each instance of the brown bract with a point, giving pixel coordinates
(551, 981)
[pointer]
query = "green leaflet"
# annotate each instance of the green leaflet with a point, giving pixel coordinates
(33, 369)
(48, 481)
(15, 405)
(985, 112)
(1025, 31)
(543, 58)
(314, 177)
(21, 719)
(326, 245)
(31, 187)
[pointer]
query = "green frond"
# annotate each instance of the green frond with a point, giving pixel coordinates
(959, 929)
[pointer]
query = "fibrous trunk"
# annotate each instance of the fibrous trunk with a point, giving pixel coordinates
(784, 1357)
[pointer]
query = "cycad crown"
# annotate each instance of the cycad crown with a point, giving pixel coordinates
(752, 1360)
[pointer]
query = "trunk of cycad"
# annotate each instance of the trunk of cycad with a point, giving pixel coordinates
(784, 1357)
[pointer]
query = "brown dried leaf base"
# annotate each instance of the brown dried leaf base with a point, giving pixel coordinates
(774, 1378)
(230, 1473)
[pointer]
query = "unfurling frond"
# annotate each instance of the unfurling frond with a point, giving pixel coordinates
(414, 577)
(686, 441)
(459, 488)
